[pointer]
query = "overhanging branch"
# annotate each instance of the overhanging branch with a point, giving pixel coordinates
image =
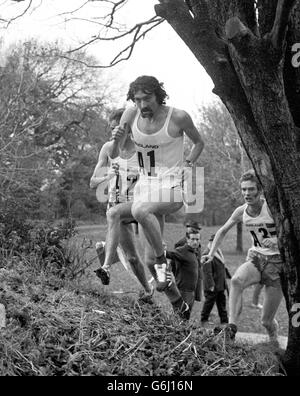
(283, 12)
(22, 13)
(198, 33)
(76, 10)
(109, 30)
(138, 32)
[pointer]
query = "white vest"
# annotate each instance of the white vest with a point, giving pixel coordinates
(261, 227)
(160, 156)
(120, 187)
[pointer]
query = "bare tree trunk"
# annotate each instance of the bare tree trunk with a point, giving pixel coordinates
(246, 67)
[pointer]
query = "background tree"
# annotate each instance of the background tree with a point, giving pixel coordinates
(75, 197)
(224, 160)
(51, 110)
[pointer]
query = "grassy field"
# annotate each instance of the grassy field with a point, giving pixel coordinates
(123, 284)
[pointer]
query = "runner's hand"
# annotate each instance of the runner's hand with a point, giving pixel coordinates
(112, 172)
(207, 258)
(117, 133)
(268, 243)
(95, 181)
(115, 168)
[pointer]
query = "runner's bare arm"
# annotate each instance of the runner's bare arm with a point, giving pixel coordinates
(236, 217)
(186, 123)
(124, 127)
(100, 171)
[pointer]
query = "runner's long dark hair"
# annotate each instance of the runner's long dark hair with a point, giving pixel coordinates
(148, 85)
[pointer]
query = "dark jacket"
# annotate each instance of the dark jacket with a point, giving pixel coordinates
(183, 242)
(187, 269)
(215, 274)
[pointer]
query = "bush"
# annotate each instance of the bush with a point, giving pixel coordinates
(23, 238)
(79, 210)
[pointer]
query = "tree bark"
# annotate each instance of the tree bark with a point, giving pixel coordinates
(247, 68)
(264, 86)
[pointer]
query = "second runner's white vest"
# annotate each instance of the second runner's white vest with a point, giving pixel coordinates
(261, 227)
(120, 188)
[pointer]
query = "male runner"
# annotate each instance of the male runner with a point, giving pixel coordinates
(263, 264)
(121, 175)
(158, 133)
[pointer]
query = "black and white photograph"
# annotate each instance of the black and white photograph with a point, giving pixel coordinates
(149, 191)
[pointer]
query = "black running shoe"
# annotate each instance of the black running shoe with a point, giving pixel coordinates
(184, 311)
(145, 297)
(100, 249)
(103, 275)
(230, 331)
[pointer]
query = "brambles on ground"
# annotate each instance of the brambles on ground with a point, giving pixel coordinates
(20, 235)
(42, 246)
(73, 331)
(58, 327)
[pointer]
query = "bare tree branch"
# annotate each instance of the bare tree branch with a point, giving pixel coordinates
(116, 6)
(137, 34)
(283, 12)
(136, 38)
(108, 25)
(199, 35)
(22, 14)
(36, 7)
(110, 16)
(76, 10)
(92, 21)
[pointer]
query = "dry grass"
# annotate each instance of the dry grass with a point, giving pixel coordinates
(79, 331)
(58, 327)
